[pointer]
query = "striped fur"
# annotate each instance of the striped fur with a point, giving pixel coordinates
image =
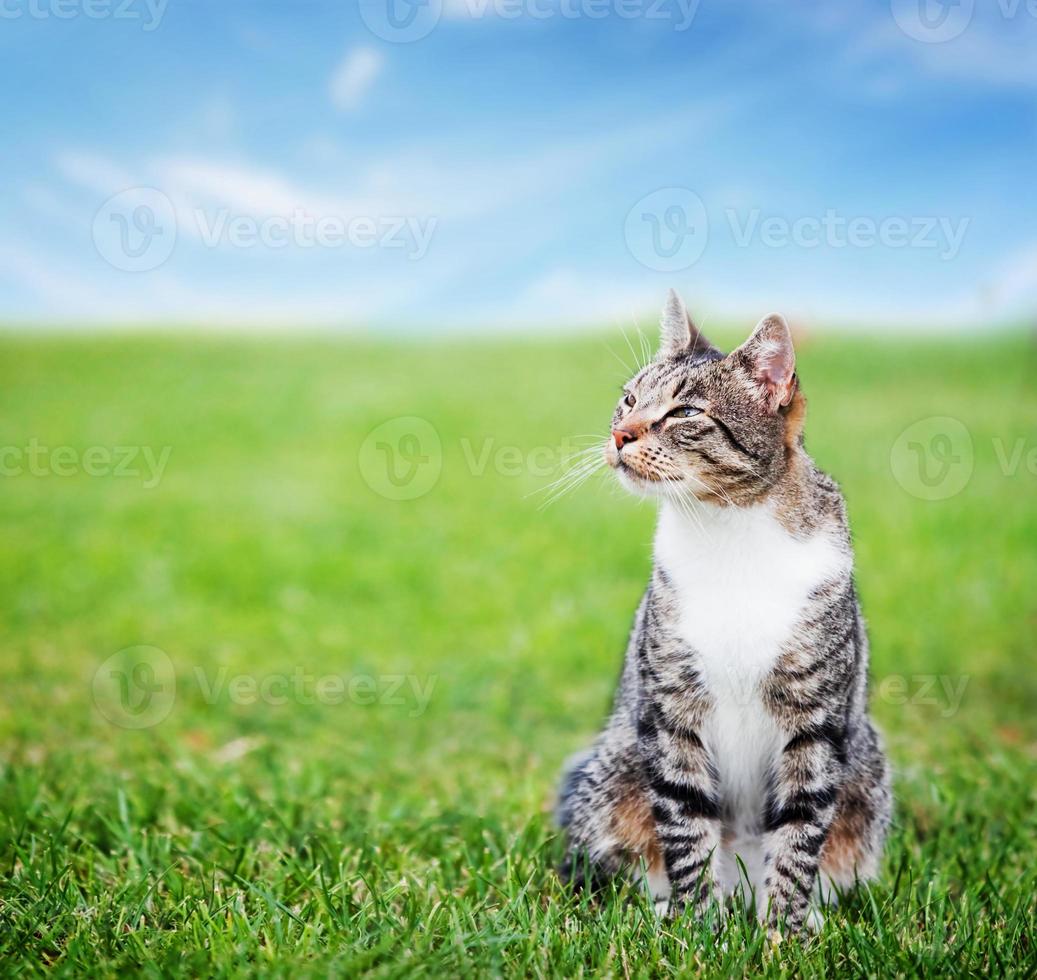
(739, 755)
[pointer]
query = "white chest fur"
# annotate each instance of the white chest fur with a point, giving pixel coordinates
(743, 584)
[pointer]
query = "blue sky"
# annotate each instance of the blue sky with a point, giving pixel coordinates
(534, 163)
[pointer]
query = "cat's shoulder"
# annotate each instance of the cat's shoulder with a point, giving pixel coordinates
(815, 500)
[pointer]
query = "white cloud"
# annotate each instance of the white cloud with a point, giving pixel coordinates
(74, 295)
(93, 172)
(490, 208)
(197, 186)
(246, 189)
(566, 298)
(980, 54)
(67, 292)
(440, 180)
(354, 76)
(1014, 284)
(995, 46)
(462, 190)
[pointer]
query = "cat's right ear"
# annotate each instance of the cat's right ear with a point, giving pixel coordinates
(678, 335)
(769, 356)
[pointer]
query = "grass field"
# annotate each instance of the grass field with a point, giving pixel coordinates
(373, 696)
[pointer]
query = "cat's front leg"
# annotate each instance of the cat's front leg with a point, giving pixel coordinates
(683, 791)
(800, 811)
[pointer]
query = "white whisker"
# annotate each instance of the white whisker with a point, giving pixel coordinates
(716, 491)
(623, 364)
(578, 469)
(572, 484)
(633, 354)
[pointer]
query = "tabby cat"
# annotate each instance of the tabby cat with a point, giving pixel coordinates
(739, 756)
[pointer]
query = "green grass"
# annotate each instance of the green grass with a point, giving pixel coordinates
(298, 837)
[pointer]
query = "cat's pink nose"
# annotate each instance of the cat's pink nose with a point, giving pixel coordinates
(622, 437)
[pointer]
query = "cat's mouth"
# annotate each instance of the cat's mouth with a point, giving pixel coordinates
(626, 469)
(637, 470)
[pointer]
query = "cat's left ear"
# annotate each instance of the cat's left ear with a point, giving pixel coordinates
(768, 356)
(677, 333)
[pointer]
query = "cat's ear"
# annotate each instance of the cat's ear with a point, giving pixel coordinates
(677, 333)
(769, 357)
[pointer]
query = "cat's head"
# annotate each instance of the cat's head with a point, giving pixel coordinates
(694, 421)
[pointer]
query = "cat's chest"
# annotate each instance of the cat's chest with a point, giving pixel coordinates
(742, 584)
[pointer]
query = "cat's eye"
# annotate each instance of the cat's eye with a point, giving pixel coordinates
(685, 412)
(630, 400)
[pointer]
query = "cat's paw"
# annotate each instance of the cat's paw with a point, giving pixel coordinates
(814, 921)
(780, 930)
(712, 910)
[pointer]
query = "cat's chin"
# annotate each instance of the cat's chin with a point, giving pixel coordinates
(663, 489)
(639, 485)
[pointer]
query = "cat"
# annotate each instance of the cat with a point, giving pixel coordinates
(739, 756)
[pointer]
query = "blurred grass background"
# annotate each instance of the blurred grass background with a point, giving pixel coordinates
(357, 837)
